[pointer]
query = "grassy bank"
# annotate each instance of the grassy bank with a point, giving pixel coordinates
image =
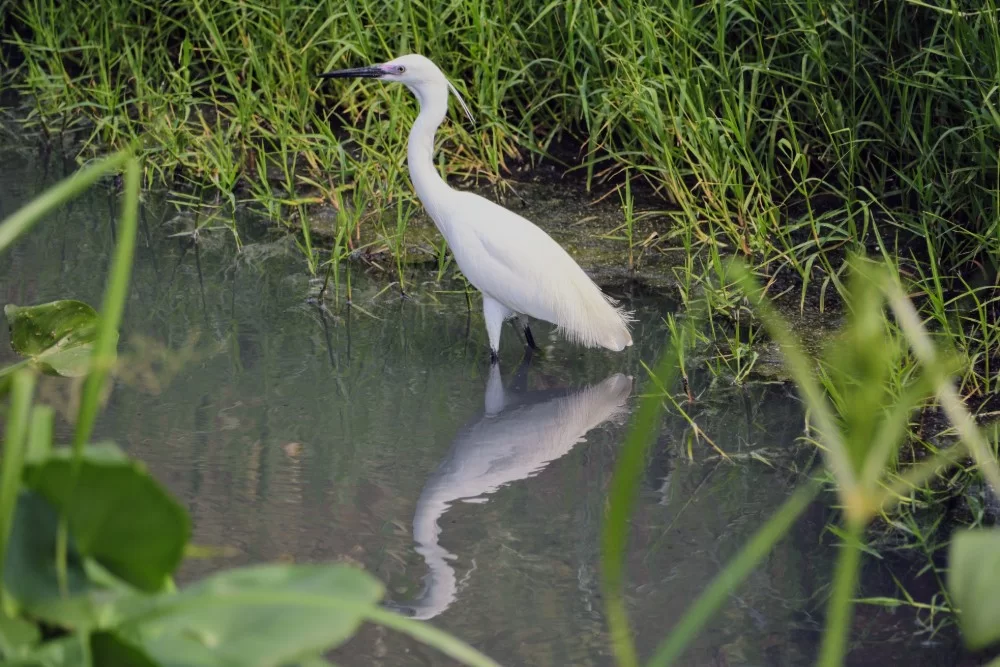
(791, 134)
(784, 131)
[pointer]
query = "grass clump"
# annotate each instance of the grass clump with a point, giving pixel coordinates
(781, 130)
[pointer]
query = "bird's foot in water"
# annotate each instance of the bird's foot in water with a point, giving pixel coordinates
(528, 338)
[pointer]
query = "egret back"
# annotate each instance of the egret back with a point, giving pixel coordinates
(515, 262)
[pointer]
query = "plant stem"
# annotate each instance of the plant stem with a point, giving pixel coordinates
(28, 215)
(840, 609)
(111, 310)
(15, 440)
(431, 636)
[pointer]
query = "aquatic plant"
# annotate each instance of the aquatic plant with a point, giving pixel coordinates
(859, 439)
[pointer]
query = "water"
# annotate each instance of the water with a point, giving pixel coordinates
(378, 435)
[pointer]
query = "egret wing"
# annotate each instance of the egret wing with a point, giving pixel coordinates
(522, 267)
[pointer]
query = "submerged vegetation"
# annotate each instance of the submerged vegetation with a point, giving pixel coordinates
(795, 136)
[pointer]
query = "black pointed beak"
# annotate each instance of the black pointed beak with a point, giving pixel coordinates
(356, 73)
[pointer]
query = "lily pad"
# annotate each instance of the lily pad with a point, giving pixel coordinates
(57, 337)
(261, 615)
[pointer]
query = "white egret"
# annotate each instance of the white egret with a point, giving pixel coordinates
(518, 268)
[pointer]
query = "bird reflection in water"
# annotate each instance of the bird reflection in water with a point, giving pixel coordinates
(516, 436)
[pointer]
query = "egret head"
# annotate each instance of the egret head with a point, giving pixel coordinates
(414, 71)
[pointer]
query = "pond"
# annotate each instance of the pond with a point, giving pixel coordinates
(377, 434)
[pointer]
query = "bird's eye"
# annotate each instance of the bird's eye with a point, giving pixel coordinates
(400, 69)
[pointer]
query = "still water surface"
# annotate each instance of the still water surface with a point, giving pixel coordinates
(379, 435)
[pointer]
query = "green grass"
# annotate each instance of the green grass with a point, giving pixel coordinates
(782, 131)
(859, 439)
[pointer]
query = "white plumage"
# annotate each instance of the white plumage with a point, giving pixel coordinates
(520, 270)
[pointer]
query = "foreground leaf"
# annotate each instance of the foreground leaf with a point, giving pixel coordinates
(64, 652)
(107, 648)
(117, 513)
(29, 573)
(57, 337)
(262, 615)
(16, 636)
(974, 584)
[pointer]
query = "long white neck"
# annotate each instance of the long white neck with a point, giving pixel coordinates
(430, 187)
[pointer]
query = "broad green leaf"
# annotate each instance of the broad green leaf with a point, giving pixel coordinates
(262, 615)
(57, 337)
(107, 648)
(63, 652)
(974, 584)
(30, 569)
(17, 636)
(117, 513)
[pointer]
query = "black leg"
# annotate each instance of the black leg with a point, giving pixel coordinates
(529, 338)
(494, 357)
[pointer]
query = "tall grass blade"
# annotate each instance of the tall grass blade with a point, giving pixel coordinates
(40, 435)
(621, 502)
(111, 310)
(735, 572)
(840, 608)
(799, 366)
(951, 402)
(54, 197)
(431, 636)
(15, 442)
